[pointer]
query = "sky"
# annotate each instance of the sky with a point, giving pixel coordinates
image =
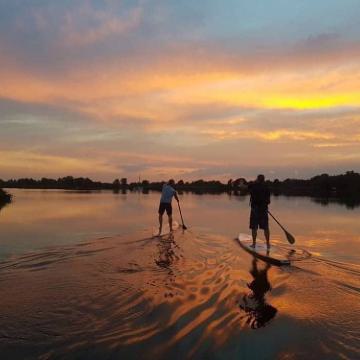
(161, 89)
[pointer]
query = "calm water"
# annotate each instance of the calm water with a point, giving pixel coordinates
(81, 278)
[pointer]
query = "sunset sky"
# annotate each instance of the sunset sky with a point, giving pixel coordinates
(184, 89)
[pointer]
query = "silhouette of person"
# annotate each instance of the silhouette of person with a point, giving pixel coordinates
(254, 303)
(168, 192)
(259, 201)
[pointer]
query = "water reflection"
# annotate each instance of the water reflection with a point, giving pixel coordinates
(167, 255)
(67, 217)
(2, 205)
(254, 303)
(5, 199)
(172, 297)
(119, 191)
(350, 203)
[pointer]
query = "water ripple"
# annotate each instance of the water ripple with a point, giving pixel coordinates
(187, 295)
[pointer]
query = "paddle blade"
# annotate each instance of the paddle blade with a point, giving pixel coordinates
(290, 238)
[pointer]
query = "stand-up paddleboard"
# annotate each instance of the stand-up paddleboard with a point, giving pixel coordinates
(274, 255)
(165, 229)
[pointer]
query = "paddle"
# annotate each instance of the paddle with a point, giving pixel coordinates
(289, 237)
(182, 220)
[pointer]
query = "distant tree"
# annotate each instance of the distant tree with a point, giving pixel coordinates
(4, 197)
(47, 183)
(240, 183)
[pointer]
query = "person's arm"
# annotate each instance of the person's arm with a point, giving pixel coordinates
(176, 197)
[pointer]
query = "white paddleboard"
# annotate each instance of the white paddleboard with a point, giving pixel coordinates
(275, 255)
(165, 229)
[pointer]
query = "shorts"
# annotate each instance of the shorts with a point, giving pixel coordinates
(165, 206)
(259, 218)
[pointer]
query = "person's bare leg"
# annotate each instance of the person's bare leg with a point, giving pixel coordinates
(254, 234)
(160, 223)
(267, 237)
(170, 222)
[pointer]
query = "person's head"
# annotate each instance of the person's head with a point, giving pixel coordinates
(260, 178)
(171, 182)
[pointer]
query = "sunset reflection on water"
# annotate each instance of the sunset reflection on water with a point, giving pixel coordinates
(192, 294)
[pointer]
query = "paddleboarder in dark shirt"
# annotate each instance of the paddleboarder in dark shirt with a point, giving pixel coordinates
(259, 201)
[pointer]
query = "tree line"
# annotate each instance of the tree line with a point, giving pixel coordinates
(324, 185)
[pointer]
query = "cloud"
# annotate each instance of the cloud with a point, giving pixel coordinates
(135, 91)
(98, 24)
(337, 145)
(110, 164)
(37, 164)
(270, 135)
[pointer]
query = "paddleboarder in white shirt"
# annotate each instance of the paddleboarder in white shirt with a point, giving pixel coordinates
(168, 192)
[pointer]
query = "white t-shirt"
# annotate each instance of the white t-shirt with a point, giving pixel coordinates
(167, 193)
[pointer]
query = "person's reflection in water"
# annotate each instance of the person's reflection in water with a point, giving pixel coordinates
(254, 304)
(167, 254)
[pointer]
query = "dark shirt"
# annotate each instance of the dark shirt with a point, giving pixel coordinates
(259, 195)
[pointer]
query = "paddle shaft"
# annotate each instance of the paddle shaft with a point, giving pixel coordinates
(289, 237)
(276, 220)
(182, 220)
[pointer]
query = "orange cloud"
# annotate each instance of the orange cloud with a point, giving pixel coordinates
(174, 78)
(111, 164)
(40, 163)
(270, 135)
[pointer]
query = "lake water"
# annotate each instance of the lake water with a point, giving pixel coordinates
(82, 278)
